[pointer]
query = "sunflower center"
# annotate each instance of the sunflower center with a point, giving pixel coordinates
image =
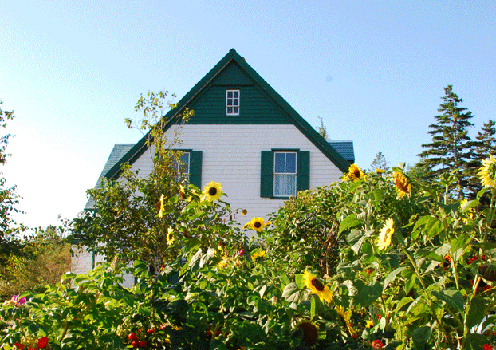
(356, 173)
(257, 224)
(318, 285)
(212, 191)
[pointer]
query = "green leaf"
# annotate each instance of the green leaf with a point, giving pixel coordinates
(367, 294)
(452, 297)
(477, 311)
(348, 222)
(299, 281)
(404, 301)
(392, 276)
(421, 336)
(313, 307)
(289, 290)
(475, 341)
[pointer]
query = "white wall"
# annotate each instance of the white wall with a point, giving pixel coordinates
(232, 156)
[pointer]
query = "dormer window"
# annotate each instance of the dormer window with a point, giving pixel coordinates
(232, 102)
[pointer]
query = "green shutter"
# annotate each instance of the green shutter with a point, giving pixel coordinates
(303, 171)
(195, 164)
(266, 178)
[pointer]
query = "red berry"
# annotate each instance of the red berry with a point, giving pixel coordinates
(487, 347)
(142, 344)
(151, 331)
(132, 337)
(134, 343)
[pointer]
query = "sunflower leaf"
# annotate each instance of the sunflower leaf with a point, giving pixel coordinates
(348, 222)
(289, 290)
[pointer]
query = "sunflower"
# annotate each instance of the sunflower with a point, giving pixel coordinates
(402, 184)
(258, 255)
(223, 263)
(212, 191)
(317, 287)
(487, 172)
(256, 224)
(346, 315)
(170, 236)
(310, 333)
(160, 206)
(385, 235)
(354, 173)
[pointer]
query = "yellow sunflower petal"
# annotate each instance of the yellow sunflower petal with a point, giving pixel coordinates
(385, 235)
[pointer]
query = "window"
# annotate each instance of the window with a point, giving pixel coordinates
(284, 174)
(232, 102)
(189, 166)
(182, 166)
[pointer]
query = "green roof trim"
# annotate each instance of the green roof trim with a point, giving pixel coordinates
(232, 56)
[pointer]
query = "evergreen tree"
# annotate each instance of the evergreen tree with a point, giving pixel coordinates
(322, 130)
(379, 162)
(484, 146)
(486, 141)
(451, 147)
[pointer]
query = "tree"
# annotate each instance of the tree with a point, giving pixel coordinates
(46, 257)
(9, 243)
(139, 218)
(451, 147)
(322, 130)
(486, 141)
(379, 162)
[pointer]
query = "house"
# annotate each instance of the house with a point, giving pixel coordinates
(245, 136)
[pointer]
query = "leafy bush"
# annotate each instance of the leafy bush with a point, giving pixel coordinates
(406, 267)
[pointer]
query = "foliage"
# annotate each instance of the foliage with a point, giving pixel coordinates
(124, 217)
(415, 271)
(451, 147)
(9, 243)
(379, 162)
(46, 257)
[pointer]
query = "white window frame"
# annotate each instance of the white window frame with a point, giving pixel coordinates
(276, 173)
(230, 102)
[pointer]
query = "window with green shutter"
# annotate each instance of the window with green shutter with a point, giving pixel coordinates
(284, 173)
(189, 165)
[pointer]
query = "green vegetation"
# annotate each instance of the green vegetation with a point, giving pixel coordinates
(381, 260)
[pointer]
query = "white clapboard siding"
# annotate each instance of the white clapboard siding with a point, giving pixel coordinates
(232, 157)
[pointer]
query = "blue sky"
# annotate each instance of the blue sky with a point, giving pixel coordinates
(374, 71)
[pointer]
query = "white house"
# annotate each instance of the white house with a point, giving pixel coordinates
(245, 136)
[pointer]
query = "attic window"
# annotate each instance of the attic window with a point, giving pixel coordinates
(232, 102)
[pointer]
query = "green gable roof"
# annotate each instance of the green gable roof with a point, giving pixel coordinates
(115, 156)
(244, 75)
(345, 149)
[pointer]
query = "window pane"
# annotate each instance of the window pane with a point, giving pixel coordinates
(290, 163)
(236, 110)
(236, 102)
(229, 94)
(284, 185)
(236, 94)
(280, 162)
(229, 101)
(229, 109)
(184, 163)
